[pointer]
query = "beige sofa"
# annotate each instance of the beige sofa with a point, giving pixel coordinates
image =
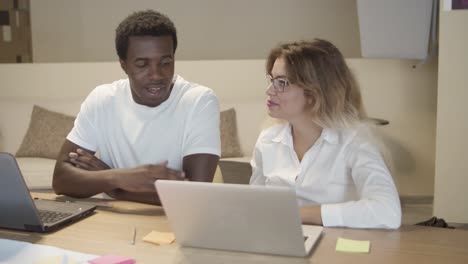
(62, 87)
(392, 90)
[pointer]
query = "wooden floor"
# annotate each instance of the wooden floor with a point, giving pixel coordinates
(417, 212)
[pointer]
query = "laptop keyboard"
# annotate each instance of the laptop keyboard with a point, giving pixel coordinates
(51, 216)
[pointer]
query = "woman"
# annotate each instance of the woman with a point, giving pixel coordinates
(324, 149)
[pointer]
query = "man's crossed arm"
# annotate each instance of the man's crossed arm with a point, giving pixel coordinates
(79, 173)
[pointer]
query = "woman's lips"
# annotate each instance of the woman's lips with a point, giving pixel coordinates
(270, 103)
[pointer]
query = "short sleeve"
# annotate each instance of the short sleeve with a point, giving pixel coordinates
(84, 132)
(202, 133)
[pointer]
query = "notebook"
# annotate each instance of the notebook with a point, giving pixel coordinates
(20, 211)
(236, 217)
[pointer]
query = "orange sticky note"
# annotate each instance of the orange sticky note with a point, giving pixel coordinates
(159, 238)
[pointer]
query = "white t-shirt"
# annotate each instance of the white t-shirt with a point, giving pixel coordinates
(127, 134)
(343, 172)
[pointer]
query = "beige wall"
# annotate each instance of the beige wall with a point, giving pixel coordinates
(451, 181)
(71, 30)
(406, 97)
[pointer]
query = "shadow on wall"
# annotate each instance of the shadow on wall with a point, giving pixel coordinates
(398, 158)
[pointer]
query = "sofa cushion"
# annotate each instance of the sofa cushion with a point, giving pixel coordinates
(236, 170)
(230, 146)
(48, 129)
(46, 134)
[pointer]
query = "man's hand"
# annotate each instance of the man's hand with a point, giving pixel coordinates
(141, 197)
(143, 177)
(87, 161)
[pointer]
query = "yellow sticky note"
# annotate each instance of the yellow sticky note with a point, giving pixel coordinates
(56, 260)
(352, 246)
(159, 238)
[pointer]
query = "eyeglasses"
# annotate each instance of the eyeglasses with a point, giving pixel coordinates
(279, 84)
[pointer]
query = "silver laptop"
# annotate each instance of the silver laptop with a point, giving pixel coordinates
(20, 211)
(236, 217)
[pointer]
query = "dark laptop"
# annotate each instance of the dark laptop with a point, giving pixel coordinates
(19, 211)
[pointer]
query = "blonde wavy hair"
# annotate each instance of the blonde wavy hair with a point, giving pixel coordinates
(320, 69)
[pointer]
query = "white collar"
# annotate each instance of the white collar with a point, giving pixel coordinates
(285, 136)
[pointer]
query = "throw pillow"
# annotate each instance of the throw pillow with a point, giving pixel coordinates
(230, 146)
(46, 134)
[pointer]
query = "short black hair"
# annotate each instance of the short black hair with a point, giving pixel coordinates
(143, 23)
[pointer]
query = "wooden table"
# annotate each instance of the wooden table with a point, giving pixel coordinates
(110, 230)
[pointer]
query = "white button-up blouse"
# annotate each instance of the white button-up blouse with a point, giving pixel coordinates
(343, 172)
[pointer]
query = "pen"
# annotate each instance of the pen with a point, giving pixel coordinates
(97, 204)
(132, 242)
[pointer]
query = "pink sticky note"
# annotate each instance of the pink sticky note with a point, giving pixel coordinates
(111, 259)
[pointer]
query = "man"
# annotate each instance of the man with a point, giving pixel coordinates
(153, 125)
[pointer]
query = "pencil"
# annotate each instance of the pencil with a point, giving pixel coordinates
(132, 242)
